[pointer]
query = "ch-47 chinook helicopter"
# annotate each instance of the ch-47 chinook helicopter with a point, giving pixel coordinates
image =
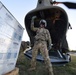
(46, 10)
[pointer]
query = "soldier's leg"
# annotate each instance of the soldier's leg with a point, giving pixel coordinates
(45, 55)
(34, 54)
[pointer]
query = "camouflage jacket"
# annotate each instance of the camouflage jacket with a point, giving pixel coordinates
(42, 34)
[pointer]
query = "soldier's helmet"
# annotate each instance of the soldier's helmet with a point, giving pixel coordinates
(43, 22)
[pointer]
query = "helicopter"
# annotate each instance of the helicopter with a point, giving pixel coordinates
(47, 10)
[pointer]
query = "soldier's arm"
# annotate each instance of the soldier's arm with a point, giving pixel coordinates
(49, 39)
(32, 24)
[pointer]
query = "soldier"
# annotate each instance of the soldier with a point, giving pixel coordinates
(41, 39)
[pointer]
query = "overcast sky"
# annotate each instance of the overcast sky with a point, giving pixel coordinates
(19, 8)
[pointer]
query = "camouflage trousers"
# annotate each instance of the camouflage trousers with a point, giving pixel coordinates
(42, 47)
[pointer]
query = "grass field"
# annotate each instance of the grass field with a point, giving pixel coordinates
(23, 64)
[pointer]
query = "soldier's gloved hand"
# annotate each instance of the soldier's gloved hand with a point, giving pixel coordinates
(32, 21)
(34, 17)
(49, 47)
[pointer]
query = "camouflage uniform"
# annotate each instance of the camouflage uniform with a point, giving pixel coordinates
(41, 38)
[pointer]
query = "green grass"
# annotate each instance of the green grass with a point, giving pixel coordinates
(23, 64)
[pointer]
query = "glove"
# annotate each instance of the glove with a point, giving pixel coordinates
(32, 20)
(49, 47)
(34, 17)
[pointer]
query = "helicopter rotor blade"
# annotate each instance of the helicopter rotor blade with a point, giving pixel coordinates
(70, 5)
